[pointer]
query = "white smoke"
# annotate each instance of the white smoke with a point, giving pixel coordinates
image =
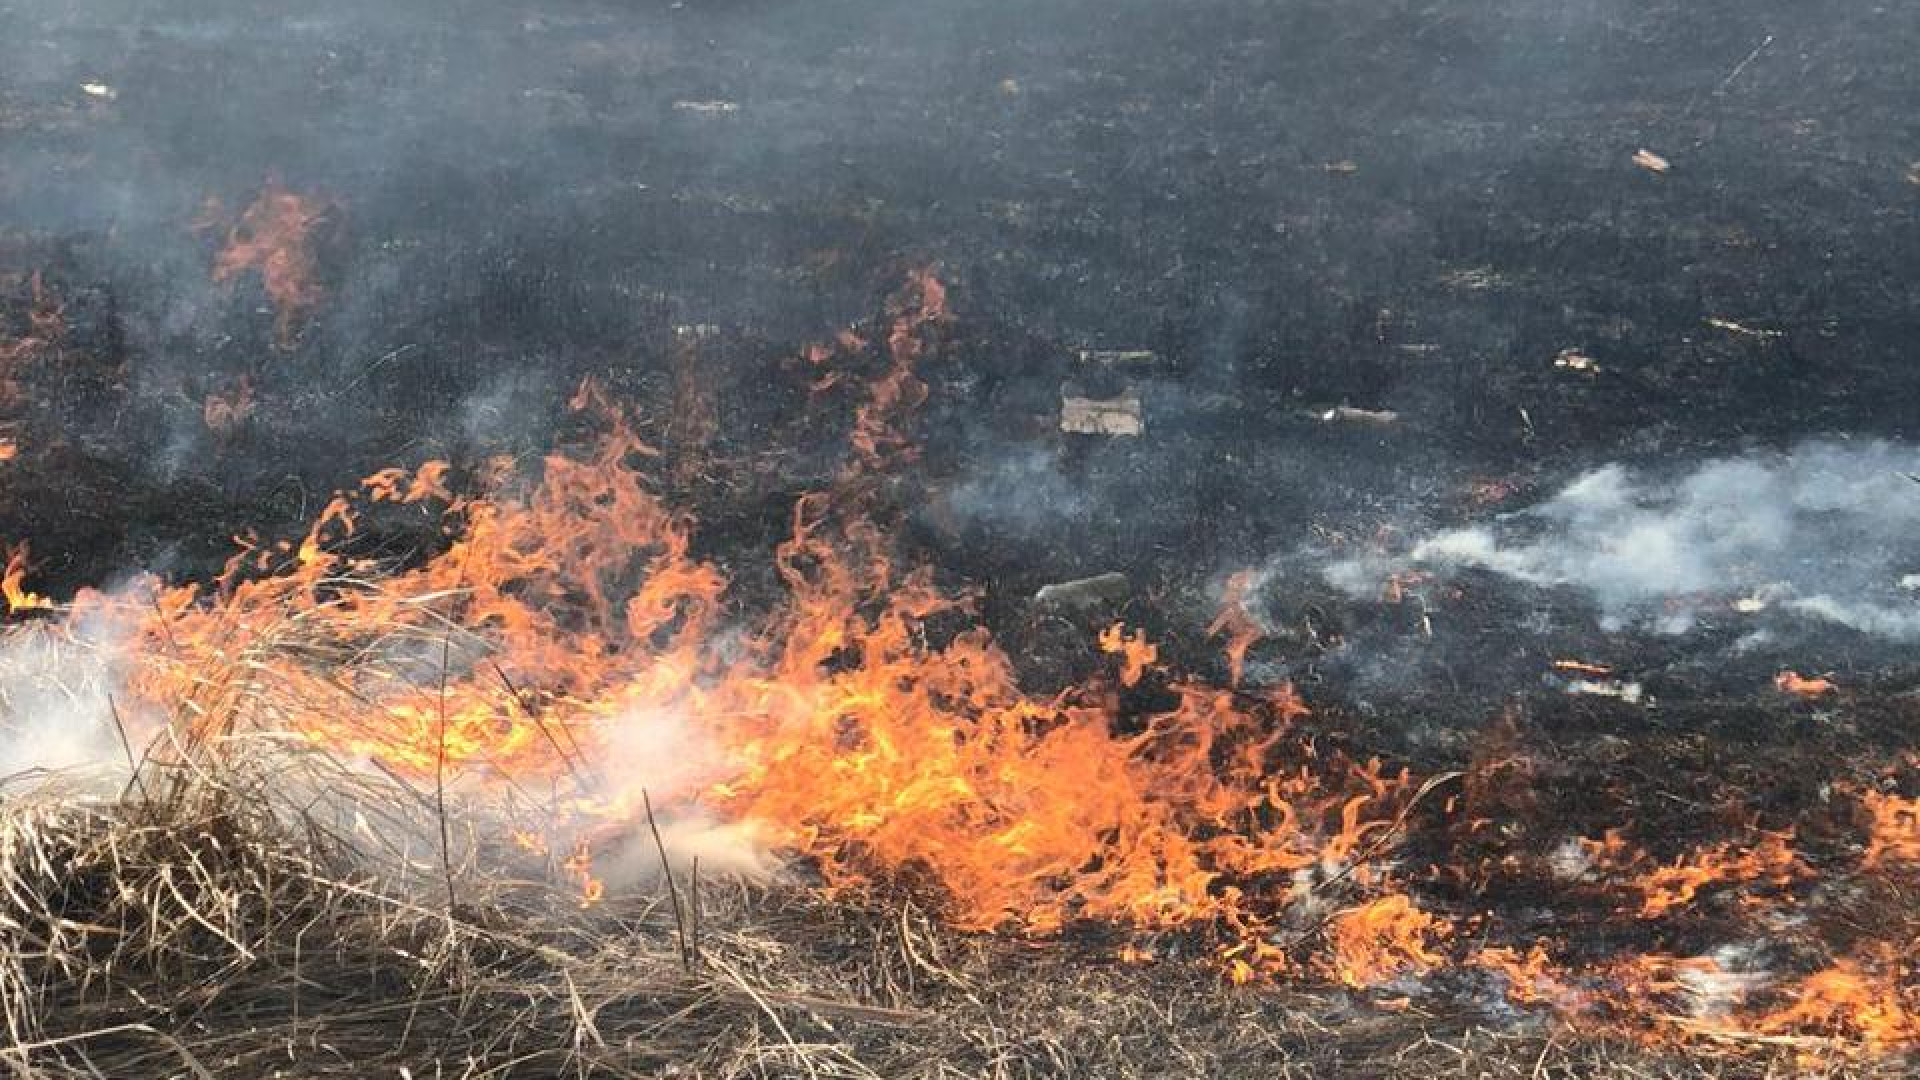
(1828, 531)
(58, 686)
(660, 751)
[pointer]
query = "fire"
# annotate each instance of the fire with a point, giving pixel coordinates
(877, 439)
(1803, 686)
(22, 353)
(1137, 653)
(1400, 583)
(224, 414)
(579, 868)
(1863, 998)
(1667, 888)
(13, 586)
(46, 324)
(568, 607)
(1532, 977)
(1384, 938)
(274, 236)
(1894, 834)
(865, 724)
(1237, 624)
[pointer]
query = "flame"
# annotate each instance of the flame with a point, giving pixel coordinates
(1137, 653)
(13, 586)
(567, 607)
(224, 414)
(1667, 888)
(1532, 977)
(1894, 834)
(1399, 583)
(867, 725)
(21, 353)
(579, 868)
(1237, 624)
(274, 236)
(1803, 686)
(1382, 939)
(877, 439)
(1869, 1000)
(46, 323)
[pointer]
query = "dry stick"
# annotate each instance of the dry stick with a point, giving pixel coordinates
(576, 761)
(440, 777)
(673, 890)
(126, 745)
(694, 889)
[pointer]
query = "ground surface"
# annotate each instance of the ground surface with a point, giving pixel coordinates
(1296, 204)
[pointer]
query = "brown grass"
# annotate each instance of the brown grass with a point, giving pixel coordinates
(248, 907)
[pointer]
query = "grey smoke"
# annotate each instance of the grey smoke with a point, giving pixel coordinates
(1021, 494)
(1828, 531)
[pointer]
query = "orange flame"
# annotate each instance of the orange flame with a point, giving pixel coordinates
(13, 586)
(1856, 998)
(1803, 686)
(1667, 888)
(1895, 829)
(1241, 629)
(225, 413)
(567, 607)
(274, 236)
(1382, 939)
(1137, 653)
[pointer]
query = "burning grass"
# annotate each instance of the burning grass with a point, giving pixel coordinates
(230, 919)
(504, 805)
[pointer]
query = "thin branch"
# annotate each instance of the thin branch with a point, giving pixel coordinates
(440, 777)
(673, 890)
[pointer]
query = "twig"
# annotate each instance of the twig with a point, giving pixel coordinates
(440, 776)
(1742, 65)
(576, 760)
(694, 903)
(21, 1050)
(673, 890)
(126, 746)
(1392, 830)
(1369, 852)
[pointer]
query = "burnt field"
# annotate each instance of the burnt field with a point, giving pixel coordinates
(892, 539)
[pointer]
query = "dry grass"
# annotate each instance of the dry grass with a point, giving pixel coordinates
(247, 907)
(218, 925)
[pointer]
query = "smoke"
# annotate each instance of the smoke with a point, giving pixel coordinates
(661, 751)
(1022, 495)
(58, 685)
(1825, 531)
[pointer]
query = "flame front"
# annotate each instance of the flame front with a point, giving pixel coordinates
(567, 609)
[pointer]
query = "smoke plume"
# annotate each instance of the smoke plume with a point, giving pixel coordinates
(1825, 531)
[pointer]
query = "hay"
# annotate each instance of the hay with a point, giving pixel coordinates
(246, 906)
